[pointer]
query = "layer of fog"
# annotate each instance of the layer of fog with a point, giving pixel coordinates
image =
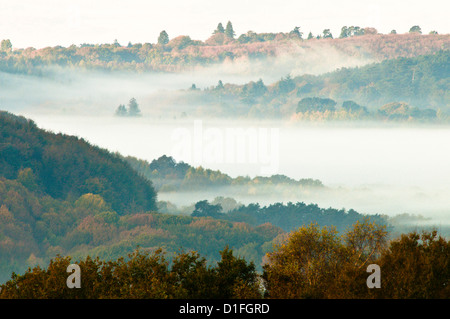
(370, 168)
(386, 170)
(88, 92)
(432, 206)
(296, 59)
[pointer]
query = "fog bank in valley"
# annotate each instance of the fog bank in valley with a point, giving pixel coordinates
(387, 169)
(371, 168)
(94, 92)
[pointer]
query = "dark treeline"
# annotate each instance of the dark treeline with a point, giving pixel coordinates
(287, 216)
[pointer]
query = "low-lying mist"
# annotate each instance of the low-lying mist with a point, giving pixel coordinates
(64, 90)
(431, 204)
(372, 168)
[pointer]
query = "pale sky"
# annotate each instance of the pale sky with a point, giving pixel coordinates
(41, 23)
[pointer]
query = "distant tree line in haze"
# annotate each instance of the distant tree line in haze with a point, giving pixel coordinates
(287, 216)
(177, 53)
(401, 89)
(168, 175)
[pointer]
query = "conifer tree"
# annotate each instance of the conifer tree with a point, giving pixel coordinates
(229, 32)
(219, 29)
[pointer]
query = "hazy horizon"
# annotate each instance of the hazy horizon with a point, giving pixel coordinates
(54, 22)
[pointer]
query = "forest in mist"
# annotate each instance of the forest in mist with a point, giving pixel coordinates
(229, 149)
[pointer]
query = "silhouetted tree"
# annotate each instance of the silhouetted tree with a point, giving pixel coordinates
(296, 32)
(5, 45)
(205, 209)
(121, 110)
(344, 32)
(219, 85)
(229, 32)
(133, 108)
(163, 38)
(415, 29)
(219, 29)
(327, 34)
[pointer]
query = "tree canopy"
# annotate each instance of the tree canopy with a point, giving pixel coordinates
(163, 38)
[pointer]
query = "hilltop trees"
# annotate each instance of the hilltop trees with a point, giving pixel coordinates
(415, 29)
(327, 34)
(163, 38)
(5, 45)
(296, 33)
(165, 55)
(344, 32)
(351, 31)
(229, 31)
(219, 29)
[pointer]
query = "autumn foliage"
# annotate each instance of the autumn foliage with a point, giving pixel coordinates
(142, 274)
(312, 262)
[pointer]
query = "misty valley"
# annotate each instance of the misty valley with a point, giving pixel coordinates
(371, 168)
(228, 149)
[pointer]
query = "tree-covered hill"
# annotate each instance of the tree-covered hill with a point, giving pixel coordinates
(58, 193)
(421, 81)
(61, 195)
(182, 53)
(419, 85)
(66, 167)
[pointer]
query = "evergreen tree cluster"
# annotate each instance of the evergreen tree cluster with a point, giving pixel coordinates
(132, 110)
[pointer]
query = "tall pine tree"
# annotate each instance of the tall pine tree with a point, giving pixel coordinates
(229, 32)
